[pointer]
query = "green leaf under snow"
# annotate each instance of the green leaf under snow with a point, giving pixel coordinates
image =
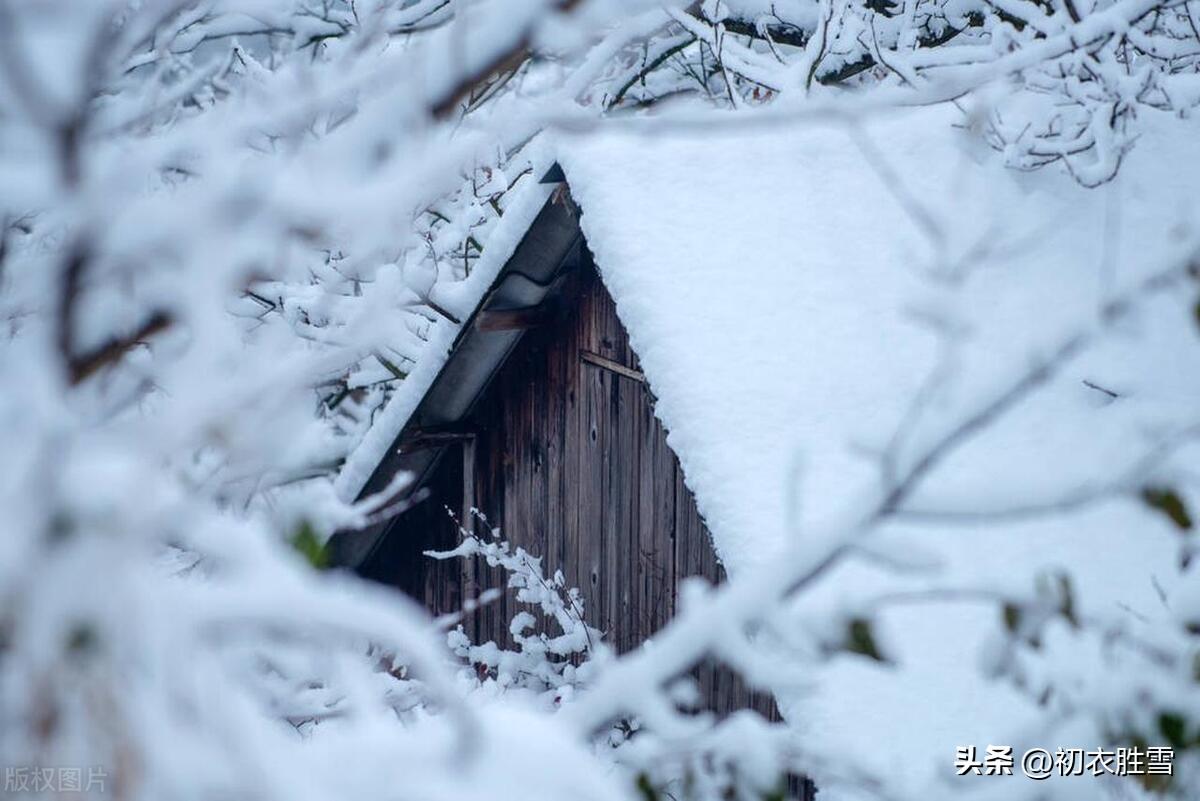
(860, 639)
(1174, 728)
(309, 545)
(1168, 501)
(1012, 618)
(645, 788)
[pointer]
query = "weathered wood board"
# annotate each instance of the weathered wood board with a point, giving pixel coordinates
(570, 463)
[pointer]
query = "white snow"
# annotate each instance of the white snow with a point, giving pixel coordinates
(774, 289)
(778, 285)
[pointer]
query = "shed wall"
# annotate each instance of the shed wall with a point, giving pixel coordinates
(569, 461)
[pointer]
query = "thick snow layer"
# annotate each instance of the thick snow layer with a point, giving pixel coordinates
(789, 290)
(779, 288)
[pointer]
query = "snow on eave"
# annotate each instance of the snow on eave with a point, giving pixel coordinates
(464, 297)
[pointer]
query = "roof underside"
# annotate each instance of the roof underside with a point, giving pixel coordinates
(528, 286)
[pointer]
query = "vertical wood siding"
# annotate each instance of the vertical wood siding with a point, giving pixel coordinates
(571, 464)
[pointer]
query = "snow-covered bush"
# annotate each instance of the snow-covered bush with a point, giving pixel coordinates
(743, 756)
(1066, 79)
(551, 666)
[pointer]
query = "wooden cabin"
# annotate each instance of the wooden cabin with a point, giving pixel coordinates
(541, 419)
(790, 290)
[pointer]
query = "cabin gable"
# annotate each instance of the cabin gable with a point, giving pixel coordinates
(543, 421)
(562, 452)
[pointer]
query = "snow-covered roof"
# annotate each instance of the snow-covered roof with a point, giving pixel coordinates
(784, 288)
(791, 288)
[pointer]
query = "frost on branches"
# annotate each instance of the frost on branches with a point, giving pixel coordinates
(742, 756)
(550, 666)
(230, 232)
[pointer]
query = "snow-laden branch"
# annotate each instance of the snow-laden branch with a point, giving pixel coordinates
(231, 232)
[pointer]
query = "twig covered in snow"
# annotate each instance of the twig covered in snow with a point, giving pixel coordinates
(230, 232)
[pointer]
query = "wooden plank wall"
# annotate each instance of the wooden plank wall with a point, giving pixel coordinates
(571, 464)
(398, 560)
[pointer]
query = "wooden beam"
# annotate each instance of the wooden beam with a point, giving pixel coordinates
(611, 366)
(470, 588)
(511, 319)
(435, 436)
